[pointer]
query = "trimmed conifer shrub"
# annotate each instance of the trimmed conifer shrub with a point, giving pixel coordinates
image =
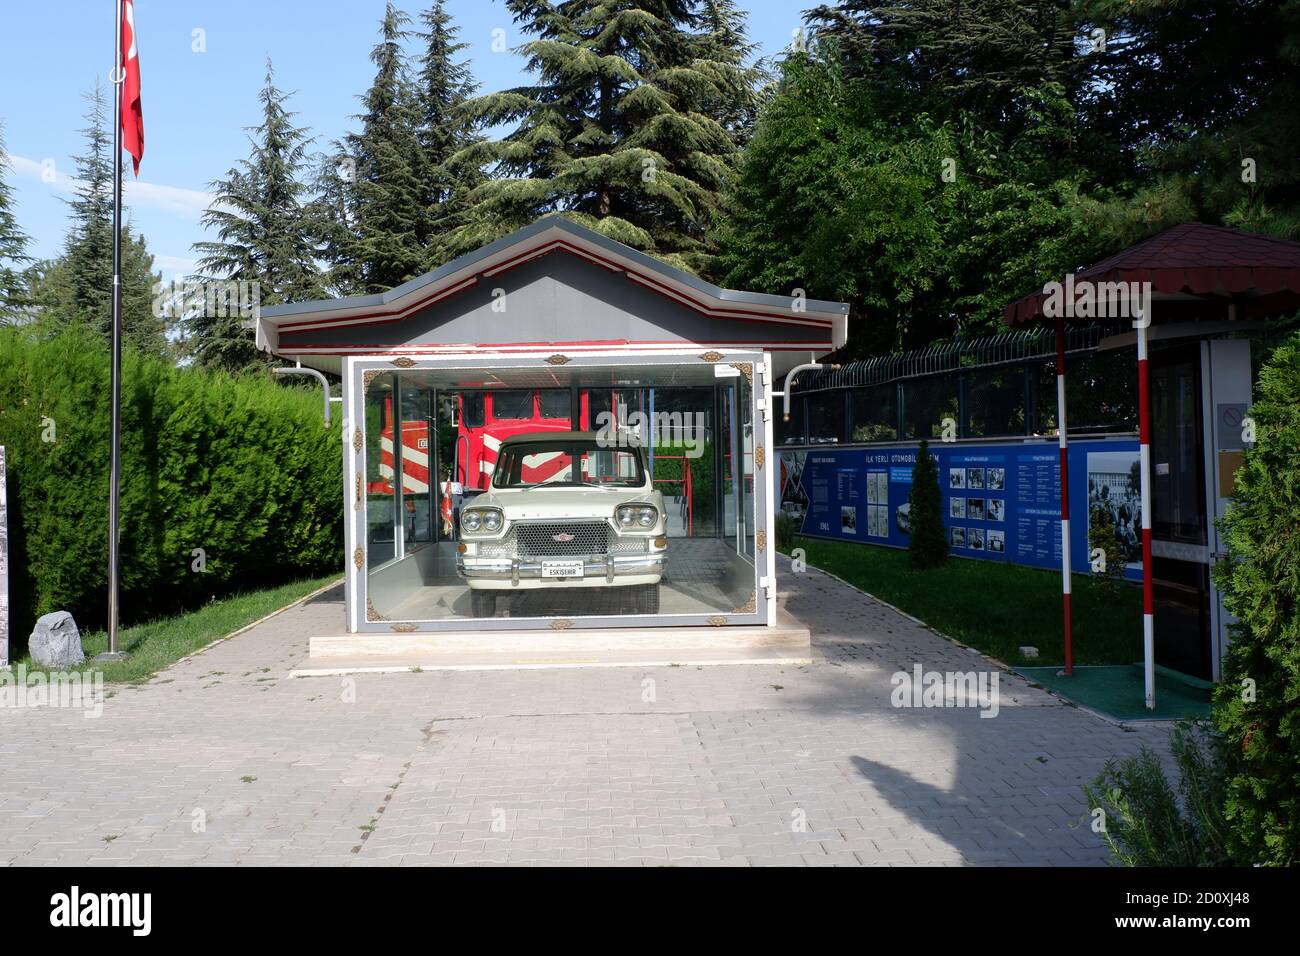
(928, 545)
(239, 467)
(1257, 704)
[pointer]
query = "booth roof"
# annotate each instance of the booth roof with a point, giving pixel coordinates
(537, 239)
(1197, 259)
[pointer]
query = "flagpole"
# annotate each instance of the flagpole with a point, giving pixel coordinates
(115, 445)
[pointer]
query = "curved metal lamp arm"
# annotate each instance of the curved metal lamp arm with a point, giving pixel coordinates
(319, 376)
(789, 381)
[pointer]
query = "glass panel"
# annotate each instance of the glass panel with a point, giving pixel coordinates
(1177, 456)
(790, 432)
(554, 404)
(1100, 393)
(418, 502)
(995, 402)
(512, 405)
(744, 405)
(550, 528)
(682, 455)
(549, 463)
(926, 403)
(875, 413)
(472, 409)
(381, 530)
(825, 417)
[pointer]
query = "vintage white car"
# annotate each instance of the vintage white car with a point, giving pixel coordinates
(565, 510)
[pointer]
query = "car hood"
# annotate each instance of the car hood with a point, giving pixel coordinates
(563, 502)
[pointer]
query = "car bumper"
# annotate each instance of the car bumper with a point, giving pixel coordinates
(501, 573)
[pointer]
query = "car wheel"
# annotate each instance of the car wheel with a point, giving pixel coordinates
(482, 603)
(647, 599)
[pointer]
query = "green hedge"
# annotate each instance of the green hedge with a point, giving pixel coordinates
(240, 467)
(1257, 704)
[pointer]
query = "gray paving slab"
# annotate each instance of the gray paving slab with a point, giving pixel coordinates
(224, 759)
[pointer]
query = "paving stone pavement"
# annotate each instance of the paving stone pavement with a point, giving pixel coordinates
(225, 759)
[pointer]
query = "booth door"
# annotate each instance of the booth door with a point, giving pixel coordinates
(1179, 520)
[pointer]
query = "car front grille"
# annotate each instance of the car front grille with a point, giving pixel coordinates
(584, 538)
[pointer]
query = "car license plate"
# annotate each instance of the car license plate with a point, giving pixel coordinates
(562, 569)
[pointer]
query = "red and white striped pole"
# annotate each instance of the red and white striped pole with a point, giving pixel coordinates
(1144, 437)
(1065, 494)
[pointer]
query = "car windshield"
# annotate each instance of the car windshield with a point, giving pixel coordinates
(550, 463)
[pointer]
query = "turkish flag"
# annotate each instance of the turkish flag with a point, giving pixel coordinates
(132, 114)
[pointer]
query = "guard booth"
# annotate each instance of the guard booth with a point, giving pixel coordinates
(1196, 295)
(554, 329)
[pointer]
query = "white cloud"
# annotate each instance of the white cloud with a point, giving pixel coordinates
(183, 203)
(175, 266)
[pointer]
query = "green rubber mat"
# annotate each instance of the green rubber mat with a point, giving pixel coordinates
(1118, 691)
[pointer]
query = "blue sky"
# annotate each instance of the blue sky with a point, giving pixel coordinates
(195, 104)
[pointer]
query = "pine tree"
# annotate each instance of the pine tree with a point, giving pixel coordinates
(618, 133)
(389, 198)
(13, 248)
(330, 213)
(77, 287)
(927, 546)
(89, 247)
(724, 52)
(445, 86)
(265, 233)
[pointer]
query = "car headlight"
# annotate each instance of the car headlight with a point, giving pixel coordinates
(626, 516)
(646, 517)
(484, 519)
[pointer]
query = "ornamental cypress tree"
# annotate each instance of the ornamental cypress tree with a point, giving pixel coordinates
(1256, 703)
(13, 247)
(264, 233)
(618, 132)
(928, 545)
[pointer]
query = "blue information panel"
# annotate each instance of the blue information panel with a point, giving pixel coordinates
(1000, 502)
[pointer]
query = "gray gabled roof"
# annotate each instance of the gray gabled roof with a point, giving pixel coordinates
(466, 263)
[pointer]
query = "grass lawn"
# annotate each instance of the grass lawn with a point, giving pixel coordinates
(158, 643)
(992, 606)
